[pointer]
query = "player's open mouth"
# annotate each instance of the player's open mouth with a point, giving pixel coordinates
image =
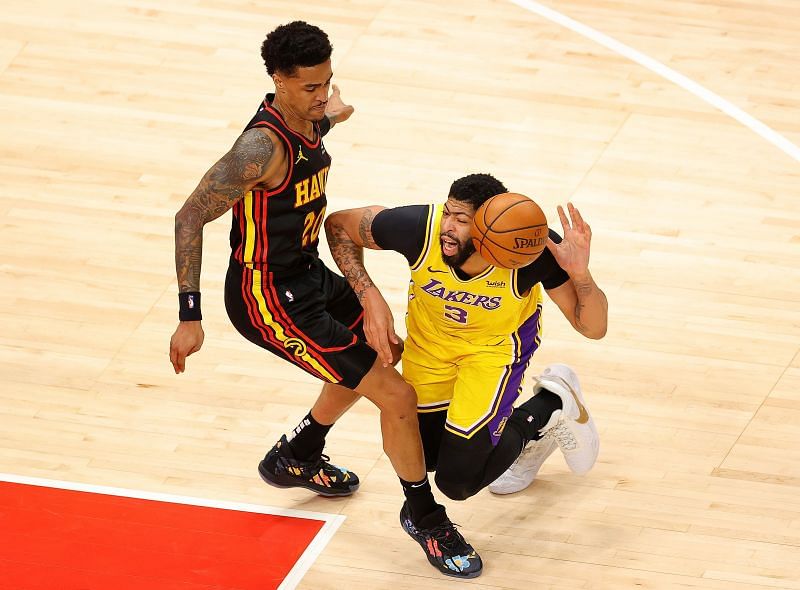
(449, 247)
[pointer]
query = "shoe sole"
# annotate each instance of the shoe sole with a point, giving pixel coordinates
(506, 492)
(275, 481)
(433, 562)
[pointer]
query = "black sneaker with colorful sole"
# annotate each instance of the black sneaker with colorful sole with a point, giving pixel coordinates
(281, 469)
(443, 545)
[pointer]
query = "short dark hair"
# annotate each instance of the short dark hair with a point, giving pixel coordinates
(295, 45)
(476, 189)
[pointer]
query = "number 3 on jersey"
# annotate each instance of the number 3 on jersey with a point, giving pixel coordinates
(457, 314)
(311, 226)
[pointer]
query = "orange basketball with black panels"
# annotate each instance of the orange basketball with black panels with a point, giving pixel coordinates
(509, 230)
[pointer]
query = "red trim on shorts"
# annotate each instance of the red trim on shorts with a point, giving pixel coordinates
(355, 323)
(258, 322)
(314, 349)
(266, 330)
(297, 331)
(252, 310)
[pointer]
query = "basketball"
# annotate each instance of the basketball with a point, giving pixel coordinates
(509, 230)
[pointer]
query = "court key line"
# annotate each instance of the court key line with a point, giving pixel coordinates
(301, 566)
(664, 71)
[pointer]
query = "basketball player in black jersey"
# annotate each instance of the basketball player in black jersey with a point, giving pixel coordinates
(280, 296)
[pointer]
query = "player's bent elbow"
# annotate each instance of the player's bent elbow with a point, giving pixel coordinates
(598, 334)
(331, 221)
(594, 334)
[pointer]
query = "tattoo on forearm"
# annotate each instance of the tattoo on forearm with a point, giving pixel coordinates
(365, 229)
(349, 257)
(584, 290)
(221, 187)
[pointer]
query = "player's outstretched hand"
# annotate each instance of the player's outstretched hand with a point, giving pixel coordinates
(336, 109)
(187, 339)
(379, 325)
(572, 254)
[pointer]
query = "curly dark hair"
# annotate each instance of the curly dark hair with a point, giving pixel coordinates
(295, 45)
(476, 189)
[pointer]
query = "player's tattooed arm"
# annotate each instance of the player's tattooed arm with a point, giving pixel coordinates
(349, 258)
(348, 233)
(237, 172)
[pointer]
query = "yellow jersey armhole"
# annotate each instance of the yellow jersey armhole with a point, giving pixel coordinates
(426, 246)
(514, 286)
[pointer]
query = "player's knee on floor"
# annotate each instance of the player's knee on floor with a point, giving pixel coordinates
(453, 487)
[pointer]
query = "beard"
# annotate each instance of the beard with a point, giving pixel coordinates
(460, 257)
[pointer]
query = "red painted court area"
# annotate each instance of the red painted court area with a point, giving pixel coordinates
(55, 539)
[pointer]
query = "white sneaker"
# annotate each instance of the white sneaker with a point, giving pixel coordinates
(523, 471)
(573, 427)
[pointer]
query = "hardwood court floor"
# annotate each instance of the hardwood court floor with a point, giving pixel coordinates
(111, 111)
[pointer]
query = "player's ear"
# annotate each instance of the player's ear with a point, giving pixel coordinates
(279, 84)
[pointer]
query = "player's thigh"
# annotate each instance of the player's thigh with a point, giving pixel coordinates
(288, 317)
(484, 395)
(432, 377)
(340, 300)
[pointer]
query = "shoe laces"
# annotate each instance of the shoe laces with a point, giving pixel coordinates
(448, 537)
(563, 435)
(313, 466)
(526, 450)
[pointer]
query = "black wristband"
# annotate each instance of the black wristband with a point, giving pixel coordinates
(189, 306)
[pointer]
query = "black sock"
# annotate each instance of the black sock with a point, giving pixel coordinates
(421, 503)
(308, 438)
(536, 412)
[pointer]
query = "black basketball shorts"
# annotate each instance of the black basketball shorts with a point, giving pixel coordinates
(313, 320)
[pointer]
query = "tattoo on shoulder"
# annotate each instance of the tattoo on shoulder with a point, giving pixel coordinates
(223, 185)
(250, 155)
(365, 228)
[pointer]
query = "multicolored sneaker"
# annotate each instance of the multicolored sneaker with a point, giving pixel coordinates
(444, 547)
(279, 468)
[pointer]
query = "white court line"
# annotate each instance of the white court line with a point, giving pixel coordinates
(701, 92)
(332, 521)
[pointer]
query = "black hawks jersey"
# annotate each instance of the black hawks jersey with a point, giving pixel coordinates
(278, 229)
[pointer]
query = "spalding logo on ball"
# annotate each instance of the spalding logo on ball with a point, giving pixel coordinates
(509, 230)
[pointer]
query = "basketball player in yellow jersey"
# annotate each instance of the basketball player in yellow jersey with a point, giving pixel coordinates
(472, 329)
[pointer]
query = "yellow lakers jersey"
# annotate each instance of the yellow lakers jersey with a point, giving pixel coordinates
(448, 312)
